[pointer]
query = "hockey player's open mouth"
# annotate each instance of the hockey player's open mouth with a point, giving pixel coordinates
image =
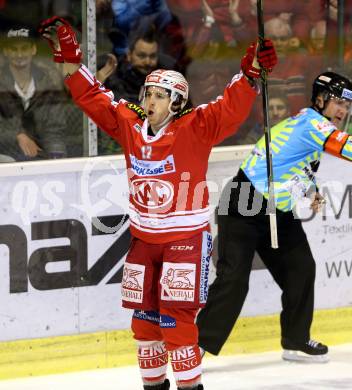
(338, 119)
(150, 112)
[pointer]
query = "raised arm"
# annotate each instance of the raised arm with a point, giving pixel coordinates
(88, 93)
(222, 117)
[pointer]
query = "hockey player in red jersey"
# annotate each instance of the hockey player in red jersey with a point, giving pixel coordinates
(165, 277)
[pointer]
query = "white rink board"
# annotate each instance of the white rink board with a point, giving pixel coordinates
(77, 190)
(37, 196)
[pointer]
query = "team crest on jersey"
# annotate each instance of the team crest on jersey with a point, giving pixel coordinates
(132, 282)
(137, 109)
(178, 282)
(152, 193)
(151, 168)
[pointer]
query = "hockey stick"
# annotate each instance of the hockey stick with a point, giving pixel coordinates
(267, 134)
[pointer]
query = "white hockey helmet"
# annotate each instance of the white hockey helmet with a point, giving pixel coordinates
(172, 81)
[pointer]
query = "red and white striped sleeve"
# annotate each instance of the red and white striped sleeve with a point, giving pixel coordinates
(96, 101)
(221, 118)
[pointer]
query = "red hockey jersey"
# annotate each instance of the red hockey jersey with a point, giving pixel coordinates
(167, 172)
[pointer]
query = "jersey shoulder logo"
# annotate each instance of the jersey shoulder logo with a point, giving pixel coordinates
(137, 109)
(184, 112)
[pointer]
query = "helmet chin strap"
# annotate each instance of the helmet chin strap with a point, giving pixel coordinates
(321, 110)
(166, 120)
(170, 115)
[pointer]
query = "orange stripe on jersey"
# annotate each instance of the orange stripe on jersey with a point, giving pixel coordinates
(335, 142)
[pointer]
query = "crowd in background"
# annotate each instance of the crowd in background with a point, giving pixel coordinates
(203, 39)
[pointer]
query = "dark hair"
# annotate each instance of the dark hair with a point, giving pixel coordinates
(144, 33)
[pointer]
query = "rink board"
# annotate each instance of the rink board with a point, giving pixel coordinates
(60, 274)
(117, 348)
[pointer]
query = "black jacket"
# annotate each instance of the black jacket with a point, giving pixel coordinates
(126, 82)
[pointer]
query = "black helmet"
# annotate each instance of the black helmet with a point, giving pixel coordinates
(331, 85)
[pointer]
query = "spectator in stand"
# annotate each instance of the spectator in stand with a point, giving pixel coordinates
(204, 22)
(244, 19)
(278, 107)
(317, 38)
(57, 7)
(289, 75)
(300, 15)
(316, 58)
(190, 14)
(126, 82)
(129, 13)
(250, 134)
(31, 115)
(142, 58)
(218, 12)
(330, 14)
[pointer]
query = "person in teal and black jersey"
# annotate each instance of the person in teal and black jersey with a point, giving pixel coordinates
(297, 146)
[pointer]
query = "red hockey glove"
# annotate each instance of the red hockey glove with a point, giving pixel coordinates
(62, 39)
(265, 58)
(69, 45)
(47, 29)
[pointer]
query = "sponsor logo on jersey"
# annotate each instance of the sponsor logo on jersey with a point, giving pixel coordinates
(182, 248)
(297, 115)
(207, 248)
(346, 94)
(132, 282)
(323, 126)
(137, 109)
(152, 357)
(340, 137)
(152, 193)
(137, 127)
(297, 185)
(152, 168)
(257, 152)
(183, 360)
(167, 321)
(178, 282)
(151, 316)
(184, 112)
